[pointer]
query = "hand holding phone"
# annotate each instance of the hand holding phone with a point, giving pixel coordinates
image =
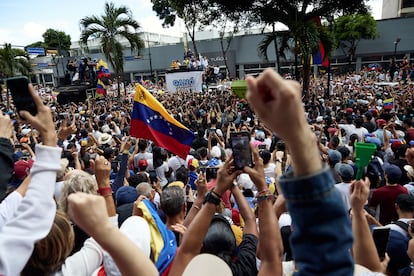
(240, 145)
(381, 235)
(23, 100)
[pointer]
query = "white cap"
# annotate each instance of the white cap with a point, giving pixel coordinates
(26, 131)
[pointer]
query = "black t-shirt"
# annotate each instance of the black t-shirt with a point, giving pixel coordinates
(246, 258)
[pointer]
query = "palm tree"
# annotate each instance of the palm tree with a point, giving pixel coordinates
(13, 61)
(275, 37)
(116, 23)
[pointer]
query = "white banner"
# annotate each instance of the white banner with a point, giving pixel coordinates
(184, 81)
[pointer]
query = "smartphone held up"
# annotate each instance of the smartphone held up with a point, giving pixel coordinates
(22, 98)
(240, 145)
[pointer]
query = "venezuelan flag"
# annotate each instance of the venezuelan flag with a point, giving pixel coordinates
(320, 56)
(102, 73)
(163, 243)
(151, 121)
(388, 103)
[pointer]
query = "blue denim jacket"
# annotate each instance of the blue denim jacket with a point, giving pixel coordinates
(322, 233)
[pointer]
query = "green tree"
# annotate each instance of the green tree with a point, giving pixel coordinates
(13, 62)
(116, 23)
(350, 29)
(38, 44)
(227, 26)
(298, 16)
(192, 12)
(57, 40)
(53, 40)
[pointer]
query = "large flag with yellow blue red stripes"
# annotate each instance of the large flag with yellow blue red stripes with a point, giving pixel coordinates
(150, 120)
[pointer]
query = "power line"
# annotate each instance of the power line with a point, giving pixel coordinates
(14, 46)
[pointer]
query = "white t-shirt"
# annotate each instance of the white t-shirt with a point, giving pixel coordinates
(345, 194)
(161, 170)
(270, 170)
(144, 155)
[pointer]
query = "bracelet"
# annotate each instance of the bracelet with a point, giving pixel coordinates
(105, 191)
(216, 195)
(265, 197)
(197, 207)
(263, 192)
(211, 198)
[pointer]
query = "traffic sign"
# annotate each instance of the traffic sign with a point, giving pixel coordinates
(36, 51)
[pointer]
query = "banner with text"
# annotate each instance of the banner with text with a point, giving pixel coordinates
(192, 80)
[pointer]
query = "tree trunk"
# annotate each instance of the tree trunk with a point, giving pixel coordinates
(192, 36)
(224, 51)
(306, 76)
(277, 65)
(296, 62)
(118, 77)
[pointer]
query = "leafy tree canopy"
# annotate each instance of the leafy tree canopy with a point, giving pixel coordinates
(56, 40)
(291, 11)
(13, 61)
(350, 29)
(355, 27)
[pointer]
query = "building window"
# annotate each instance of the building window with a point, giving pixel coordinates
(407, 4)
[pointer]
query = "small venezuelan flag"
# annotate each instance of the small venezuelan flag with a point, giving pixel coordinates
(388, 103)
(150, 120)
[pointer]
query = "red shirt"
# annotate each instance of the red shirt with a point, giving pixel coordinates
(385, 197)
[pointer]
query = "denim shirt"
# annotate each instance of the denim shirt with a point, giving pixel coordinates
(322, 234)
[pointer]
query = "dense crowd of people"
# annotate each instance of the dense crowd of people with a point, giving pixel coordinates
(80, 196)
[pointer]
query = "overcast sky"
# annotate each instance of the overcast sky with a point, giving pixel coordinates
(24, 21)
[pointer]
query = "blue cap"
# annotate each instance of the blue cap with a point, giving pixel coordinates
(393, 172)
(125, 194)
(334, 156)
(373, 140)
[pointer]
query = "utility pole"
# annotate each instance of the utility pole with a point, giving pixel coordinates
(328, 88)
(395, 46)
(149, 55)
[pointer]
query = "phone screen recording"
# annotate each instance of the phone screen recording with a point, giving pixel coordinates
(240, 144)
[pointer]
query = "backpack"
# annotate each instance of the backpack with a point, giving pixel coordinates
(397, 251)
(375, 173)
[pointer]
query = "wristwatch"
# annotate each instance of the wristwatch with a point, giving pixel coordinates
(211, 198)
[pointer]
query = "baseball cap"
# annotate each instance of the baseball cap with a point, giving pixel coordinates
(373, 140)
(125, 194)
(334, 156)
(177, 184)
(345, 171)
(393, 172)
(381, 122)
(22, 168)
(409, 169)
(244, 180)
(193, 162)
(26, 131)
(216, 152)
(142, 164)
